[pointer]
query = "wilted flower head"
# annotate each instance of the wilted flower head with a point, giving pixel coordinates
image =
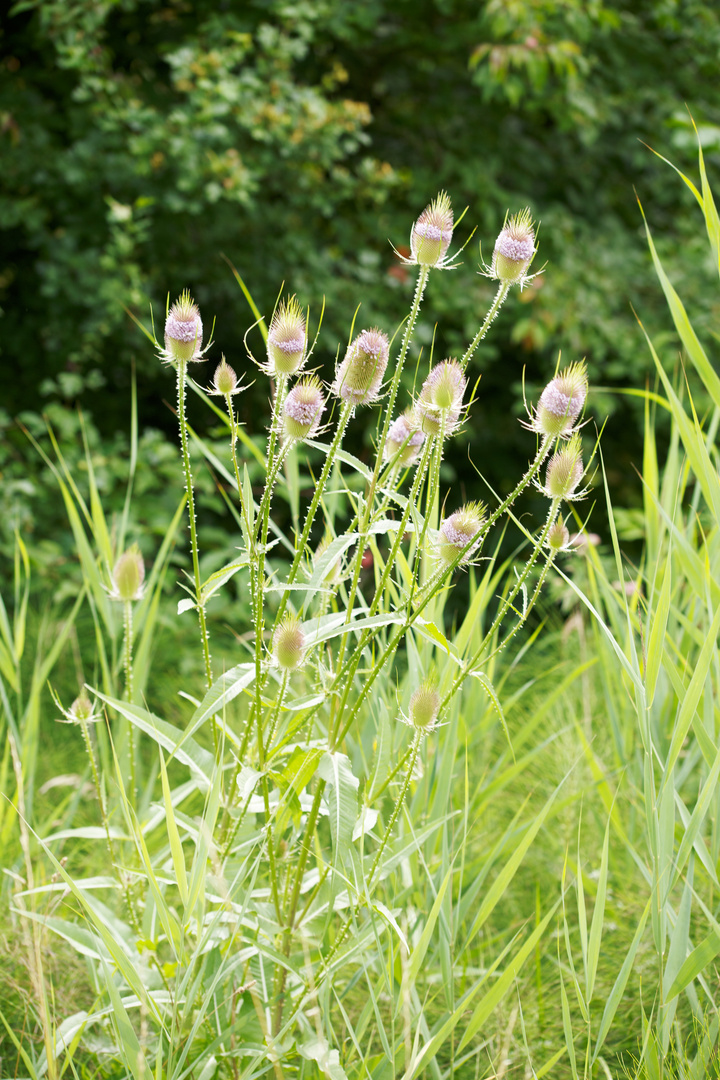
(183, 331)
(562, 401)
(458, 531)
(424, 707)
(432, 232)
(558, 539)
(404, 439)
(303, 409)
(287, 339)
(289, 643)
(565, 471)
(225, 380)
(514, 249)
(128, 576)
(439, 404)
(360, 375)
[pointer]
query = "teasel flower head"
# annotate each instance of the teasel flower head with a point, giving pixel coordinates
(558, 538)
(303, 409)
(404, 439)
(514, 249)
(424, 707)
(561, 402)
(287, 339)
(81, 711)
(459, 533)
(128, 576)
(289, 644)
(439, 404)
(359, 377)
(334, 571)
(565, 472)
(432, 232)
(225, 380)
(183, 331)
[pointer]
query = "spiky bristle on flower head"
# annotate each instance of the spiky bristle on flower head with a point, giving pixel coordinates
(514, 249)
(459, 532)
(439, 403)
(565, 471)
(287, 338)
(128, 576)
(225, 380)
(404, 439)
(558, 538)
(303, 408)
(289, 643)
(359, 377)
(183, 330)
(562, 401)
(424, 707)
(432, 232)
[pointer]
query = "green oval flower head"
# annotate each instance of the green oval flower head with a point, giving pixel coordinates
(565, 471)
(424, 707)
(183, 331)
(558, 539)
(439, 405)
(359, 377)
(459, 531)
(404, 439)
(80, 712)
(128, 576)
(303, 409)
(289, 643)
(514, 249)
(225, 380)
(561, 402)
(432, 232)
(287, 339)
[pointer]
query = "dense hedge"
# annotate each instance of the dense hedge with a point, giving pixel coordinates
(143, 139)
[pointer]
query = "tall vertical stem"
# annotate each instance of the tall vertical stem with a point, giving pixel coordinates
(127, 651)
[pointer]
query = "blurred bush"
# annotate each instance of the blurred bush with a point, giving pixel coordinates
(141, 140)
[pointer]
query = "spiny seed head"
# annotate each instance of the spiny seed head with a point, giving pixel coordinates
(225, 380)
(562, 401)
(558, 539)
(183, 331)
(360, 375)
(432, 232)
(332, 577)
(424, 707)
(303, 408)
(289, 643)
(439, 405)
(287, 338)
(565, 471)
(459, 530)
(404, 439)
(514, 249)
(128, 576)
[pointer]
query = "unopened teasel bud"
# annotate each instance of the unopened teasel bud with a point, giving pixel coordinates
(289, 643)
(514, 249)
(303, 409)
(562, 401)
(404, 439)
(439, 404)
(128, 576)
(424, 707)
(81, 708)
(287, 338)
(183, 330)
(432, 232)
(225, 380)
(359, 377)
(565, 471)
(558, 538)
(459, 530)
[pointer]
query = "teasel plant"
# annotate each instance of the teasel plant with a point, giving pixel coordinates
(290, 797)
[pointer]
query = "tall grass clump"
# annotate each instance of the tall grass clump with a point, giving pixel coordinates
(277, 861)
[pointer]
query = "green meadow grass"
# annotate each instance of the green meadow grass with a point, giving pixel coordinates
(547, 901)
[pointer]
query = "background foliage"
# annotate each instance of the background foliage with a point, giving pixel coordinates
(143, 139)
